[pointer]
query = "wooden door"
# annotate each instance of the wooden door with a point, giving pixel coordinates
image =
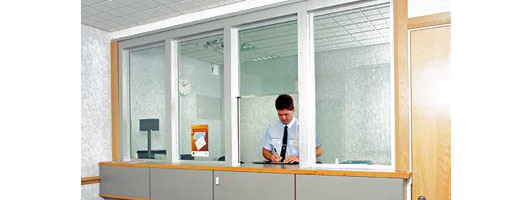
(431, 123)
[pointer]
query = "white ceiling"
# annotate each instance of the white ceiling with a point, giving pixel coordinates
(115, 15)
(354, 28)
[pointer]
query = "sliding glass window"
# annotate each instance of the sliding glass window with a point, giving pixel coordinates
(268, 64)
(201, 122)
(147, 101)
(353, 85)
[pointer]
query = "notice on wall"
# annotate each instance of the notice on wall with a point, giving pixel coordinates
(199, 140)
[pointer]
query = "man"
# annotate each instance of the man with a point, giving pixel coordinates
(280, 143)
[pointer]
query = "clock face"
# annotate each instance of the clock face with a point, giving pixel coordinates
(184, 86)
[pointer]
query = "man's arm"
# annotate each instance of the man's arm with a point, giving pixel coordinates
(318, 151)
(270, 156)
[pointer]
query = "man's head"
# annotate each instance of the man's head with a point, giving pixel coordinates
(285, 107)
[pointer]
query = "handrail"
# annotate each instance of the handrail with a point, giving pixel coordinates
(90, 180)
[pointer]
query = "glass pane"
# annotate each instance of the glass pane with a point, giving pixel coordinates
(268, 59)
(268, 67)
(148, 102)
(256, 114)
(200, 65)
(352, 60)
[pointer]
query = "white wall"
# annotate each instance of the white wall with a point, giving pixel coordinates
(427, 7)
(95, 105)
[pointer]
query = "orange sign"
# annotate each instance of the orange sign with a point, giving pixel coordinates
(199, 140)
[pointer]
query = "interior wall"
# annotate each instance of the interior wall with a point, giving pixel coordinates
(95, 105)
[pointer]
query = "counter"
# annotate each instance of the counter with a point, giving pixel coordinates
(266, 168)
(157, 180)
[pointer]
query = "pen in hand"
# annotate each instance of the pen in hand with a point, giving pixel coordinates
(274, 154)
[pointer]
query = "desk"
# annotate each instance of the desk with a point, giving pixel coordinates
(170, 181)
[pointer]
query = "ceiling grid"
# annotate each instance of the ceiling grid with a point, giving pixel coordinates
(115, 15)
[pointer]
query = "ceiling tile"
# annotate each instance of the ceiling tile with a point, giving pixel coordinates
(120, 21)
(96, 18)
(87, 21)
(144, 5)
(204, 2)
(84, 15)
(110, 23)
(105, 16)
(166, 2)
(102, 26)
(88, 11)
(139, 16)
(127, 2)
(106, 6)
(122, 11)
(186, 6)
(91, 2)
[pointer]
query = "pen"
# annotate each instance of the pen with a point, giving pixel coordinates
(274, 151)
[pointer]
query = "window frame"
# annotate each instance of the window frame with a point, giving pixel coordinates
(324, 11)
(230, 25)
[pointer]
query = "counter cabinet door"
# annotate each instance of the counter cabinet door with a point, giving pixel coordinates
(131, 182)
(169, 184)
(312, 187)
(255, 186)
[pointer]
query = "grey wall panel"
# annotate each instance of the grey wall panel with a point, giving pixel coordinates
(124, 181)
(176, 184)
(255, 186)
(309, 187)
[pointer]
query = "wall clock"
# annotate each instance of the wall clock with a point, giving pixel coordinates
(184, 87)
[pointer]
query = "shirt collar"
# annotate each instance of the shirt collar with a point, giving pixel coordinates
(290, 124)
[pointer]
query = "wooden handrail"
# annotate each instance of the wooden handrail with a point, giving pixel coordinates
(120, 197)
(90, 180)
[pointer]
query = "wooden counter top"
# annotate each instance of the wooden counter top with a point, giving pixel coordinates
(267, 168)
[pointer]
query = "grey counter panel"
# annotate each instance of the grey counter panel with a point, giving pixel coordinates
(124, 181)
(177, 184)
(255, 186)
(311, 187)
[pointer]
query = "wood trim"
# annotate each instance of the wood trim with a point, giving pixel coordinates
(429, 20)
(115, 107)
(325, 172)
(401, 84)
(120, 197)
(90, 180)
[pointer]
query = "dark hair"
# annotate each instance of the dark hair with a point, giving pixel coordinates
(284, 101)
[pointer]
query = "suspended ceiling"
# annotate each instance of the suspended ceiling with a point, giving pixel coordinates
(114, 15)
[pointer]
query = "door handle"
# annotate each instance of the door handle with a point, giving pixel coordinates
(422, 198)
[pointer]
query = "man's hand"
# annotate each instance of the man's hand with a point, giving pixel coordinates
(291, 159)
(276, 158)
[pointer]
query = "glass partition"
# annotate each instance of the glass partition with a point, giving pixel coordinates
(200, 69)
(268, 65)
(353, 98)
(147, 103)
(268, 59)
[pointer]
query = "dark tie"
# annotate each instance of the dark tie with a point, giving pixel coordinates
(284, 143)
